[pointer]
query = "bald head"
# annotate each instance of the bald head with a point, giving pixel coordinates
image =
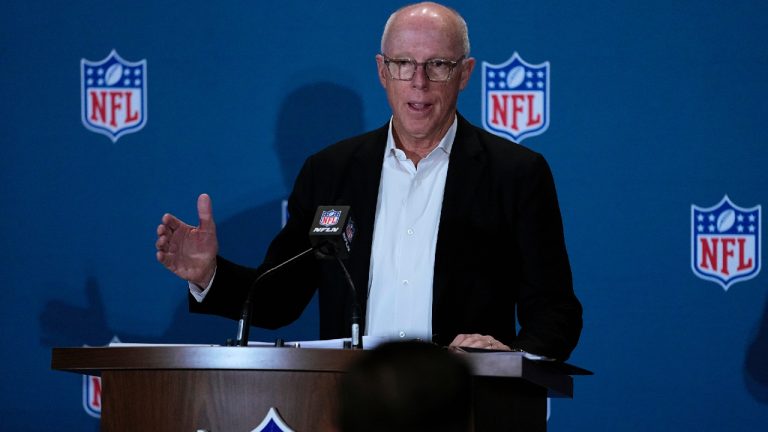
(451, 23)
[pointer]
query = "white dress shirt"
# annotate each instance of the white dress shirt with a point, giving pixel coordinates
(404, 242)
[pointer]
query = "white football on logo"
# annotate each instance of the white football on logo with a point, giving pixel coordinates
(516, 77)
(726, 220)
(114, 73)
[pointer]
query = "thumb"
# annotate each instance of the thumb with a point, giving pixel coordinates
(205, 213)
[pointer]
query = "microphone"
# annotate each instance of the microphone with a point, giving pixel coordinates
(331, 237)
(332, 231)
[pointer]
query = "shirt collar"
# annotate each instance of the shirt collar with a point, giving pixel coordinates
(445, 144)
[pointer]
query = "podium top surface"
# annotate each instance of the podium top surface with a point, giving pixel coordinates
(94, 361)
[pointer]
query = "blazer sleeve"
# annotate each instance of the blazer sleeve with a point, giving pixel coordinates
(549, 314)
(280, 297)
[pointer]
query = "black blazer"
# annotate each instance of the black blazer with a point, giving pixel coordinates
(500, 247)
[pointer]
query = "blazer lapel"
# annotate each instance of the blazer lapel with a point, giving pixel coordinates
(365, 173)
(465, 169)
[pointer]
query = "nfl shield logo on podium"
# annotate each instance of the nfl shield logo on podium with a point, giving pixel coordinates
(725, 242)
(114, 95)
(516, 98)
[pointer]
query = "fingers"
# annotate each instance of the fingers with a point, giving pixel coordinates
(165, 231)
(162, 257)
(164, 243)
(205, 213)
(459, 339)
(478, 341)
(171, 222)
(471, 340)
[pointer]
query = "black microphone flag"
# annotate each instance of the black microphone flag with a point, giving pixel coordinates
(332, 231)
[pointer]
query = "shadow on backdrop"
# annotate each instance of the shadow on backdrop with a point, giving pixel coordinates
(311, 117)
(756, 362)
(65, 325)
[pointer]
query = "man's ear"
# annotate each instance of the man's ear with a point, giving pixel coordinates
(382, 69)
(467, 66)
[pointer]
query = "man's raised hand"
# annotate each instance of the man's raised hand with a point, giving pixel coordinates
(189, 252)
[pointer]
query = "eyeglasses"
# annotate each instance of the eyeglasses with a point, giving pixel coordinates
(437, 70)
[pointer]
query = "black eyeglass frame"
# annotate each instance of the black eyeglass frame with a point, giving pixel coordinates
(451, 64)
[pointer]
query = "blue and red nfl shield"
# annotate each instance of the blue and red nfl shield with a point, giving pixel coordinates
(330, 217)
(92, 395)
(272, 423)
(725, 242)
(516, 98)
(114, 95)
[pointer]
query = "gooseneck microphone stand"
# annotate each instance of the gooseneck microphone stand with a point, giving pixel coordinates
(244, 325)
(357, 338)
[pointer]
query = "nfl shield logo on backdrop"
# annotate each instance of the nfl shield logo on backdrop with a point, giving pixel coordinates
(330, 217)
(114, 95)
(725, 242)
(516, 98)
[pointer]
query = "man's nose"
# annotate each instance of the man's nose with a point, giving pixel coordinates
(420, 79)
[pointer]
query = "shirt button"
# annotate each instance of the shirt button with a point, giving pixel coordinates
(405, 281)
(410, 231)
(402, 334)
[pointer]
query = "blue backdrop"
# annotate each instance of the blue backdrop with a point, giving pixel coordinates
(655, 107)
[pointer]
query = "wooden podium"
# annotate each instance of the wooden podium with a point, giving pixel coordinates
(231, 389)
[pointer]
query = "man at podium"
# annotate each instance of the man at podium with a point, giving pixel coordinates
(458, 238)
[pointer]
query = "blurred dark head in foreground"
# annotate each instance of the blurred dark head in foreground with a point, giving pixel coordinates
(406, 386)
